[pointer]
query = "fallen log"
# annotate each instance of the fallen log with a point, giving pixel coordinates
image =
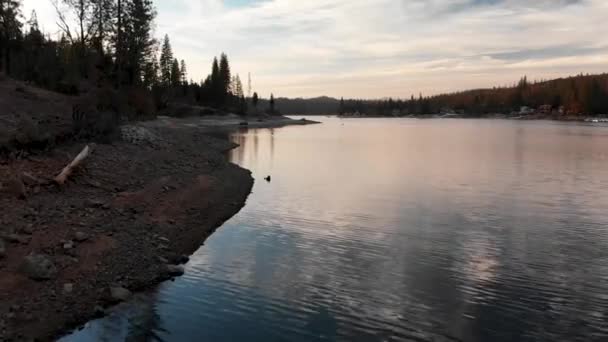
(67, 171)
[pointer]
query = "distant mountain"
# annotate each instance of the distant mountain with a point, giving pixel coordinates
(572, 96)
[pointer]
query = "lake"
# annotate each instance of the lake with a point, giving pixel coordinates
(398, 230)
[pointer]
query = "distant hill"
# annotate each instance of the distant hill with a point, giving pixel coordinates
(573, 96)
(322, 105)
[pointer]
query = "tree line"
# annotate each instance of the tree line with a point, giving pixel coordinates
(106, 49)
(565, 97)
(568, 97)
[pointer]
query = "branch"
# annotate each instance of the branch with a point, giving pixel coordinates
(62, 23)
(67, 171)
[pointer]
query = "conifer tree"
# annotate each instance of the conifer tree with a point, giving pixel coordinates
(166, 62)
(183, 72)
(176, 77)
(10, 30)
(224, 75)
(140, 14)
(271, 103)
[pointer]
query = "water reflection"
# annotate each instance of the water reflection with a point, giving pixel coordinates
(389, 229)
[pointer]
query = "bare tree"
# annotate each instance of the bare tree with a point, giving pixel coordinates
(80, 13)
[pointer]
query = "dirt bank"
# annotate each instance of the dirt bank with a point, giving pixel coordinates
(134, 208)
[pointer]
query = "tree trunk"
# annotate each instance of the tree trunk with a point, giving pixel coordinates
(119, 47)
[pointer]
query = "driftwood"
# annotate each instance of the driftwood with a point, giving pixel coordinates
(67, 171)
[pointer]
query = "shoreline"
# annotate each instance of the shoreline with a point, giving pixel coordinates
(136, 210)
(586, 119)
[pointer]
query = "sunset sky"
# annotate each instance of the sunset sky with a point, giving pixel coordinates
(380, 48)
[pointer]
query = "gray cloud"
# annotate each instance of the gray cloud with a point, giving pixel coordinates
(376, 48)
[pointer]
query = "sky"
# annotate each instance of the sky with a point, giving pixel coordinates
(380, 48)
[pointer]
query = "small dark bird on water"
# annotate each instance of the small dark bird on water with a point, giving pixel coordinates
(268, 179)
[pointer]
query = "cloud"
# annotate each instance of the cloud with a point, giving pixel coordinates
(365, 48)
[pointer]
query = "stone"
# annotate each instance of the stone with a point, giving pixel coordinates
(29, 229)
(68, 288)
(68, 245)
(175, 270)
(93, 203)
(119, 294)
(99, 311)
(183, 259)
(39, 267)
(163, 259)
(14, 238)
(29, 179)
(80, 236)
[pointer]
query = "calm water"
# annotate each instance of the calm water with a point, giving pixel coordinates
(398, 230)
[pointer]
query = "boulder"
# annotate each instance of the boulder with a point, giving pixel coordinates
(80, 236)
(39, 267)
(119, 294)
(99, 311)
(175, 270)
(68, 288)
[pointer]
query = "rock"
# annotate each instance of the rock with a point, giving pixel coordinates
(2, 249)
(28, 230)
(93, 203)
(99, 311)
(119, 294)
(68, 245)
(29, 179)
(68, 288)
(163, 259)
(175, 270)
(80, 236)
(183, 259)
(14, 238)
(39, 267)
(164, 239)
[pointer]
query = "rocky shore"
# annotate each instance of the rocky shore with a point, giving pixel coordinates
(125, 221)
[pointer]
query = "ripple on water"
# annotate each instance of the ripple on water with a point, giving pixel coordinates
(378, 230)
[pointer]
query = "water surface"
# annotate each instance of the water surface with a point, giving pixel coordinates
(398, 230)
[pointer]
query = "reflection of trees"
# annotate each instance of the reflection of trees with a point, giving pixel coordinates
(271, 146)
(145, 322)
(237, 155)
(137, 320)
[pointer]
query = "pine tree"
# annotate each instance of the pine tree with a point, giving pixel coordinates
(10, 30)
(238, 87)
(254, 100)
(150, 78)
(166, 62)
(271, 103)
(215, 83)
(243, 105)
(224, 75)
(102, 21)
(183, 72)
(176, 77)
(140, 14)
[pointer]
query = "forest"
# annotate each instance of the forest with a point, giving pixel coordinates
(107, 54)
(571, 97)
